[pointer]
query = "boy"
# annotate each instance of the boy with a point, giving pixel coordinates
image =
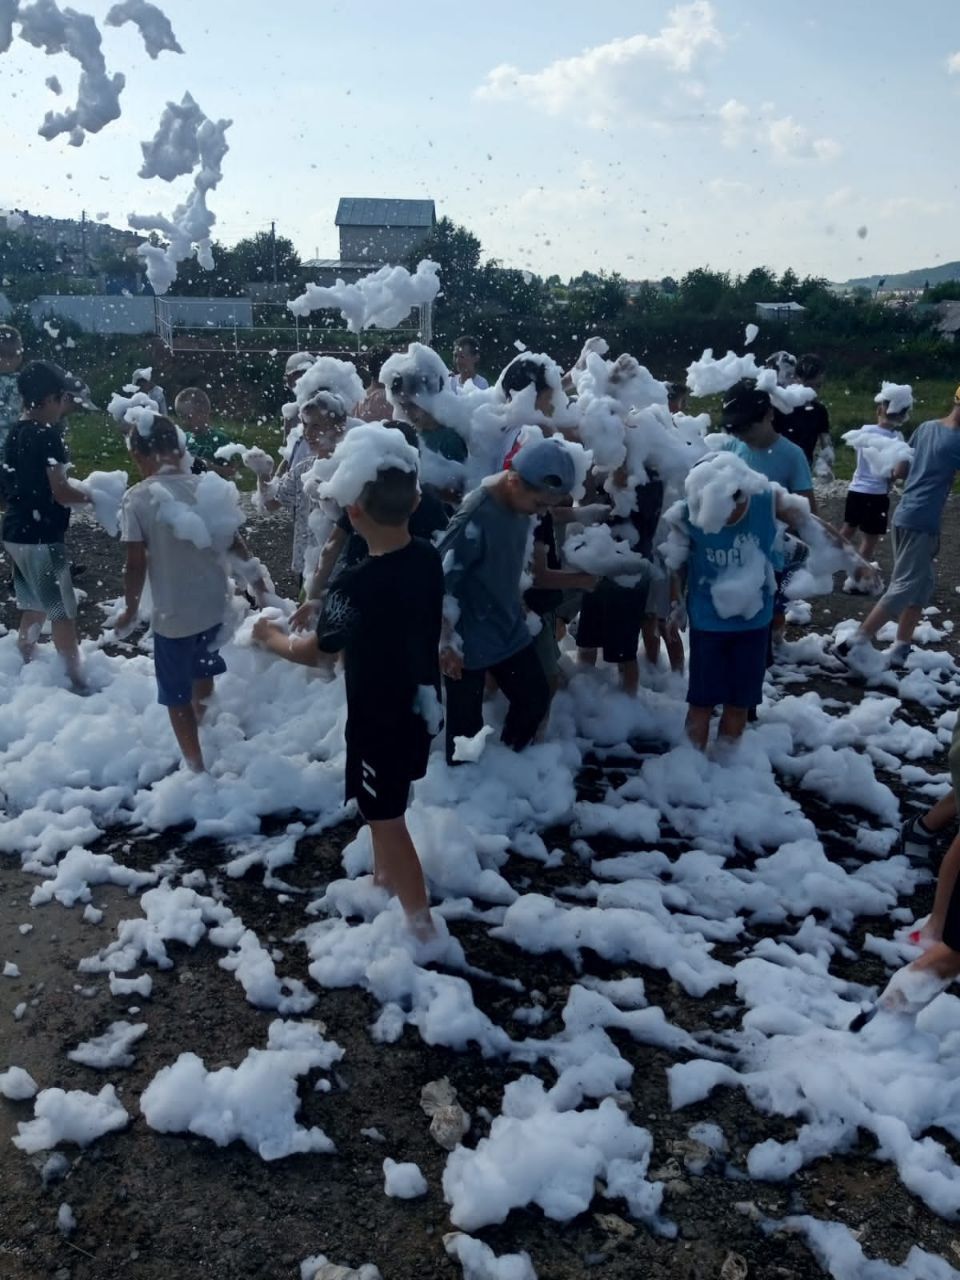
(192, 407)
(728, 641)
(808, 425)
(11, 358)
(375, 407)
(466, 362)
(612, 618)
(38, 499)
(323, 419)
(868, 497)
(384, 614)
(916, 535)
(484, 553)
(143, 381)
(189, 584)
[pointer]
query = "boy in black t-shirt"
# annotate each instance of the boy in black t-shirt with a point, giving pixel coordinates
(384, 614)
(38, 499)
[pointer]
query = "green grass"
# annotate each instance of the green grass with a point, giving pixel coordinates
(96, 444)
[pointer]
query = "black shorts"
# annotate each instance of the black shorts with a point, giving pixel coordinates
(381, 768)
(610, 620)
(867, 512)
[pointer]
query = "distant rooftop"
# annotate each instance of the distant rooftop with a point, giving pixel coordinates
(354, 212)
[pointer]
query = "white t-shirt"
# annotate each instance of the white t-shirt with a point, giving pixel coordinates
(865, 479)
(188, 583)
(478, 381)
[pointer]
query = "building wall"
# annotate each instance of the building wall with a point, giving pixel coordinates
(379, 245)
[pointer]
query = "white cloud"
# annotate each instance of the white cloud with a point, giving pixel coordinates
(734, 120)
(791, 141)
(953, 63)
(621, 75)
(732, 187)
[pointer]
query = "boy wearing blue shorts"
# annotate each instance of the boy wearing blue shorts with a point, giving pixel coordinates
(189, 584)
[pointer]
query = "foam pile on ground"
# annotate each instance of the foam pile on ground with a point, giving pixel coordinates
(535, 1154)
(112, 1049)
(838, 1250)
(403, 1181)
(479, 1262)
(383, 298)
(74, 1116)
(17, 1085)
(256, 1102)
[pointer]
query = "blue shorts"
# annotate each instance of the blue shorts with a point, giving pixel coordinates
(727, 667)
(178, 663)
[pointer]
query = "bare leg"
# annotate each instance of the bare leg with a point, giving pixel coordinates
(674, 649)
(942, 814)
(946, 879)
(873, 622)
(848, 531)
(650, 631)
(629, 676)
(943, 960)
(868, 545)
(733, 721)
(395, 859)
(587, 657)
(698, 726)
(907, 623)
(186, 730)
(200, 697)
(31, 624)
(65, 642)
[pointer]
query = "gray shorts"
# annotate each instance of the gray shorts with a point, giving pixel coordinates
(914, 575)
(41, 578)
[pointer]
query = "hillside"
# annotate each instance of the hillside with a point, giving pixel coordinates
(910, 279)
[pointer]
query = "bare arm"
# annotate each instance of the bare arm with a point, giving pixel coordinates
(67, 494)
(558, 579)
(302, 649)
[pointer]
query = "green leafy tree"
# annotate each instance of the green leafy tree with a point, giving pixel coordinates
(253, 258)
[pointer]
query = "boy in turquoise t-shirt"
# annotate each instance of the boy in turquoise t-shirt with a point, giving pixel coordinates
(722, 549)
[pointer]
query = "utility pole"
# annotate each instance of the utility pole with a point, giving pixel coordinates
(83, 241)
(273, 249)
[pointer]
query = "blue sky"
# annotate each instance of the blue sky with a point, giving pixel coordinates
(642, 137)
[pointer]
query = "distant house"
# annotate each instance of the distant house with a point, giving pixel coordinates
(373, 232)
(779, 310)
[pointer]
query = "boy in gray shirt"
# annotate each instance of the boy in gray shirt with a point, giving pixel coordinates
(484, 553)
(916, 535)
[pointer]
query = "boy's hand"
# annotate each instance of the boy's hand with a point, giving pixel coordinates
(677, 618)
(305, 617)
(125, 622)
(263, 628)
(586, 582)
(451, 663)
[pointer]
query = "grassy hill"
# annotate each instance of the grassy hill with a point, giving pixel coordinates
(910, 279)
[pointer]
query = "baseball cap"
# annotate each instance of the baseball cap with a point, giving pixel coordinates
(299, 360)
(80, 392)
(546, 465)
(40, 379)
(744, 404)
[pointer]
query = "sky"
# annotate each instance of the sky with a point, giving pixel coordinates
(642, 137)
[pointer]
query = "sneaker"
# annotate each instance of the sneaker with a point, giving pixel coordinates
(898, 654)
(916, 841)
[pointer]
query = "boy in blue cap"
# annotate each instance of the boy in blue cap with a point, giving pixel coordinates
(484, 552)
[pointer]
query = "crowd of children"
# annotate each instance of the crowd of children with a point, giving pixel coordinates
(436, 591)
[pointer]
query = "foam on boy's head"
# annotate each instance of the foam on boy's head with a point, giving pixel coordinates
(716, 485)
(391, 498)
(157, 437)
(325, 402)
(361, 456)
(896, 399)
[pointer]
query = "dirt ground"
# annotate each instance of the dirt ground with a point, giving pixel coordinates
(150, 1206)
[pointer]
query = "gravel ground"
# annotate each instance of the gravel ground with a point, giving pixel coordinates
(151, 1206)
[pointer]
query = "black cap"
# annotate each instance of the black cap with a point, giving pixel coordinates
(40, 379)
(744, 404)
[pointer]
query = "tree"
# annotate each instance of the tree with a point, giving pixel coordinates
(705, 292)
(23, 254)
(265, 257)
(457, 252)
